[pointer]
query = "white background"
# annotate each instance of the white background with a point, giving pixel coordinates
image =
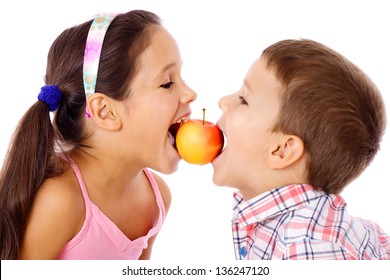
(219, 40)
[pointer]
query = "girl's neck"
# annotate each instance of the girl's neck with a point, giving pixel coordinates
(106, 174)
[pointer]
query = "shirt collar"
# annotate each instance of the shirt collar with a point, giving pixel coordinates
(272, 203)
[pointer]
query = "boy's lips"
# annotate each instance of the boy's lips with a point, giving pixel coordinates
(224, 136)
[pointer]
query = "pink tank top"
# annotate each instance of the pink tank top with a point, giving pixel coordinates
(100, 238)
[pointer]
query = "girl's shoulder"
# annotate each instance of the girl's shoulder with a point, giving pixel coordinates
(56, 216)
(62, 192)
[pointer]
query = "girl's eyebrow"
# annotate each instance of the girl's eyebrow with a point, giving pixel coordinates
(169, 66)
(166, 68)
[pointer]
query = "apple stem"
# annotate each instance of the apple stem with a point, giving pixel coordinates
(204, 114)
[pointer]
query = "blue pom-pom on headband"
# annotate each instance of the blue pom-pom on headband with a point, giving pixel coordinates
(51, 95)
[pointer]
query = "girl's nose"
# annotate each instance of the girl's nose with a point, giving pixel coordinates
(188, 95)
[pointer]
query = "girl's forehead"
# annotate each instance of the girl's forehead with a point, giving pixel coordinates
(161, 54)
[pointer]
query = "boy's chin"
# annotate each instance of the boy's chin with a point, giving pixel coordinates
(218, 179)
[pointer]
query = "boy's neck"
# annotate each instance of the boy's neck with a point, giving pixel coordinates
(277, 178)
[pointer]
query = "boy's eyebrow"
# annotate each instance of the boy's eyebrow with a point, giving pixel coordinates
(246, 84)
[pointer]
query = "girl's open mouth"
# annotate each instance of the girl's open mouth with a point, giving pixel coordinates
(172, 131)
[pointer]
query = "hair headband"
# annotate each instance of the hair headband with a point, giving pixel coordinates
(93, 48)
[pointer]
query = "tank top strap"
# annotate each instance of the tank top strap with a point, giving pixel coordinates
(83, 189)
(157, 193)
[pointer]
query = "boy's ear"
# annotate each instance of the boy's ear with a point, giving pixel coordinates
(102, 110)
(288, 150)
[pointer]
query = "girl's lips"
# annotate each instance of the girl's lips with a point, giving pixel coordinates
(172, 131)
(183, 118)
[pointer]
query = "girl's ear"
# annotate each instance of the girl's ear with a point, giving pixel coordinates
(288, 150)
(102, 110)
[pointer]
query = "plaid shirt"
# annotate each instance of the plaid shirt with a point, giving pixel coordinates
(298, 222)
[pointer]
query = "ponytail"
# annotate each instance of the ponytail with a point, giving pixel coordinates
(26, 165)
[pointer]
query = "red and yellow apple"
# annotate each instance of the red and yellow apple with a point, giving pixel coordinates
(199, 141)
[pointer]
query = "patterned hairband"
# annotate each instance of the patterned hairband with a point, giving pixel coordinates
(93, 49)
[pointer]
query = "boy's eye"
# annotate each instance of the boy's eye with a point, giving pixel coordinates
(242, 100)
(167, 85)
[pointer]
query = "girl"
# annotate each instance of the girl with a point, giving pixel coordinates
(79, 187)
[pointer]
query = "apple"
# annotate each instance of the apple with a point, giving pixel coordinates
(199, 141)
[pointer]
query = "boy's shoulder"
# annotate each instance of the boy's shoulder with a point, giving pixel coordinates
(322, 218)
(325, 224)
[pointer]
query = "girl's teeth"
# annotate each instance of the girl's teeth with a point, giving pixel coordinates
(182, 120)
(171, 139)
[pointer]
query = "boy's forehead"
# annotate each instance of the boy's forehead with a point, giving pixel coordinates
(260, 77)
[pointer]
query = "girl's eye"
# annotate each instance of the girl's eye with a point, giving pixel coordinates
(242, 100)
(167, 85)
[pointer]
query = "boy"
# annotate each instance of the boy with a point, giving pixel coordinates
(305, 123)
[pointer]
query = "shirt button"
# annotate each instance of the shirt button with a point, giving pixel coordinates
(243, 252)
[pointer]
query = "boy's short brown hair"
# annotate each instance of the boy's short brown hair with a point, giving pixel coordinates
(332, 106)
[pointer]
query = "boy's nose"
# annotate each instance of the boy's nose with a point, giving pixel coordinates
(223, 103)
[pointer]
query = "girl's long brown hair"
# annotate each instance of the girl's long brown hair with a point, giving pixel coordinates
(31, 157)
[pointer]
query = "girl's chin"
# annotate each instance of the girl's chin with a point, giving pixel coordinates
(168, 171)
(167, 167)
